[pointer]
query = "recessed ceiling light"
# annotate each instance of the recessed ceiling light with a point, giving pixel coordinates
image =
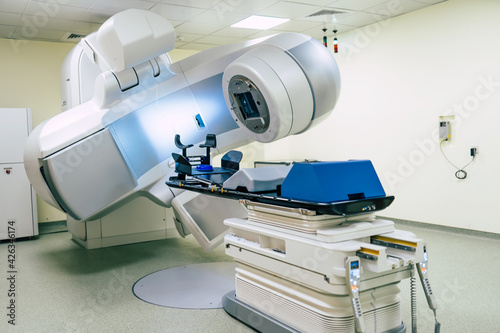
(260, 22)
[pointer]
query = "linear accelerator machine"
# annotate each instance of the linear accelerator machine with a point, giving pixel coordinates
(116, 147)
(303, 263)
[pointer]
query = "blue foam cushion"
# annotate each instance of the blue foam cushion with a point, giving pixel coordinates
(204, 167)
(332, 181)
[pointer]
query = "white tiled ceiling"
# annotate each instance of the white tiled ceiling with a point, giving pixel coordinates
(199, 24)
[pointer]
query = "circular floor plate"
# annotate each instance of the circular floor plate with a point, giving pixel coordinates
(196, 286)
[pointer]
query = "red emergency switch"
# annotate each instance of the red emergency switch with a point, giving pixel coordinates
(7, 171)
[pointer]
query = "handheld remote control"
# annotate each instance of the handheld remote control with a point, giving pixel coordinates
(422, 273)
(353, 278)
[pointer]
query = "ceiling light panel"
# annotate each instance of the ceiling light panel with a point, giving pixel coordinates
(237, 33)
(260, 22)
(297, 26)
(219, 18)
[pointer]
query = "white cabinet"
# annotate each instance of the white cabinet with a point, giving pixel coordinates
(17, 198)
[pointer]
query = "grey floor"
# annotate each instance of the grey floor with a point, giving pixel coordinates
(62, 287)
(463, 271)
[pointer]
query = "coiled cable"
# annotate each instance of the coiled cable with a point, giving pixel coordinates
(460, 174)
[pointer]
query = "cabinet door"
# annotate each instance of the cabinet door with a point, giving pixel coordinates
(14, 130)
(15, 203)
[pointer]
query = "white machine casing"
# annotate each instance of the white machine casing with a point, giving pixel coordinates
(295, 272)
(117, 146)
(140, 219)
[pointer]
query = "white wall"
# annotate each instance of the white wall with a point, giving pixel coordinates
(398, 77)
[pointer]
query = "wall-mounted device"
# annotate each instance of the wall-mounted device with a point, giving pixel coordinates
(445, 135)
(444, 130)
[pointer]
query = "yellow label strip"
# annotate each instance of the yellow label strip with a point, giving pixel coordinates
(395, 241)
(370, 251)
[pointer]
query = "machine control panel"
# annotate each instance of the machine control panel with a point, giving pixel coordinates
(354, 275)
(422, 273)
(353, 279)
